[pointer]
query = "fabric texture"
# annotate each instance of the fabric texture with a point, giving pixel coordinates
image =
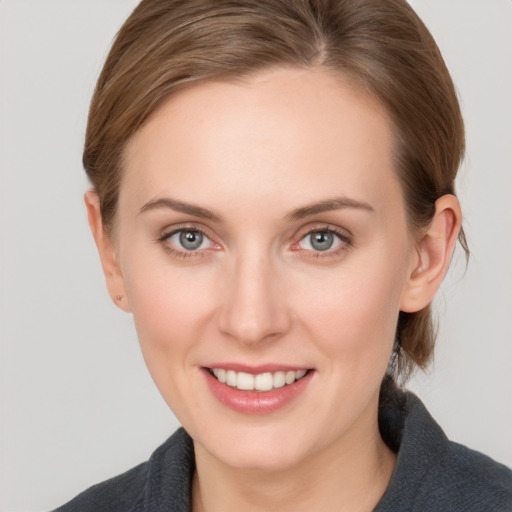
(432, 474)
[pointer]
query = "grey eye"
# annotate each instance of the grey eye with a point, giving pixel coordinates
(320, 241)
(191, 240)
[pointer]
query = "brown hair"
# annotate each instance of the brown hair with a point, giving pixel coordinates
(382, 45)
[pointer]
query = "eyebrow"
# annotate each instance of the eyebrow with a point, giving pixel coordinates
(298, 214)
(328, 205)
(179, 206)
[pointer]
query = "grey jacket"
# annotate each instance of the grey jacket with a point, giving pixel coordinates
(431, 474)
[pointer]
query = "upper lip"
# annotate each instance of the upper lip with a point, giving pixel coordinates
(257, 369)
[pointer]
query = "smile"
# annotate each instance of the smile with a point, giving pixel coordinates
(257, 390)
(259, 382)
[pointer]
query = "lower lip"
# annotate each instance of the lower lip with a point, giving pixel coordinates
(256, 402)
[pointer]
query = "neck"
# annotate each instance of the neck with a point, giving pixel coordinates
(349, 475)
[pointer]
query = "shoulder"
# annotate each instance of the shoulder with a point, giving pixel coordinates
(470, 479)
(433, 473)
(164, 478)
(121, 493)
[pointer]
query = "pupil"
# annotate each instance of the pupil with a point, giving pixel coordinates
(322, 241)
(191, 240)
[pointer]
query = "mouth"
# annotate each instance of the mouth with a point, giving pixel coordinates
(266, 381)
(258, 391)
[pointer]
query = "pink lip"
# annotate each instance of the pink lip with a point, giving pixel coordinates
(255, 402)
(254, 370)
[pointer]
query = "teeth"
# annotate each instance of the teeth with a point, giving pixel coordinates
(231, 378)
(221, 375)
(300, 374)
(279, 379)
(290, 377)
(260, 382)
(264, 382)
(245, 381)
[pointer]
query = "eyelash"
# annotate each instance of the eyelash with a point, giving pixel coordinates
(345, 243)
(182, 254)
(344, 238)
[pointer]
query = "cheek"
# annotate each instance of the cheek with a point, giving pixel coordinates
(353, 314)
(169, 307)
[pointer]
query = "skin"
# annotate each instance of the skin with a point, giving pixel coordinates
(257, 291)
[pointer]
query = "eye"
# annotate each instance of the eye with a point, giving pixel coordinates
(319, 241)
(323, 240)
(188, 240)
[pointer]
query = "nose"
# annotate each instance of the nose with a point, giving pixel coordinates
(254, 303)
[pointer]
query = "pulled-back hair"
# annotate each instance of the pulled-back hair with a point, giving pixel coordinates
(381, 45)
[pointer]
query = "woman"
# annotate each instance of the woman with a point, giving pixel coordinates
(273, 200)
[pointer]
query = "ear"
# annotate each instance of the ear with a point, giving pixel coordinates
(106, 249)
(433, 254)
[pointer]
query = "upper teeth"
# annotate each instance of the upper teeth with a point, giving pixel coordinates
(259, 382)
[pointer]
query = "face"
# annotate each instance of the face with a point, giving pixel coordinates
(262, 236)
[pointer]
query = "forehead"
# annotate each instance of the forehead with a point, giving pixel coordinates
(308, 133)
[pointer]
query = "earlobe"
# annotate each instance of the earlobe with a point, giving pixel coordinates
(433, 254)
(106, 249)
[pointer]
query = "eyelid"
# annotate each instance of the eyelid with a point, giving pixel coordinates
(344, 235)
(166, 233)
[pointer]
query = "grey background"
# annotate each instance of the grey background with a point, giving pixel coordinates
(77, 404)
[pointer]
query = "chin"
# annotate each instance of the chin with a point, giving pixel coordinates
(259, 448)
(261, 460)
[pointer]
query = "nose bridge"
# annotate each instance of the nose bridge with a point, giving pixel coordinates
(254, 307)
